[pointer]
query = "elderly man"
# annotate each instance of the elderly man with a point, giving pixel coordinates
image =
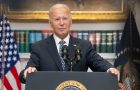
(45, 53)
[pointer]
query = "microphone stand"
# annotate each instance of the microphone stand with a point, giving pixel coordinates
(77, 57)
(71, 64)
(70, 61)
(73, 61)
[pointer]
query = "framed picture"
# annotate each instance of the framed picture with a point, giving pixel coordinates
(91, 10)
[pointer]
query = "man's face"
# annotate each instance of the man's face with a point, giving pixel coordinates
(60, 21)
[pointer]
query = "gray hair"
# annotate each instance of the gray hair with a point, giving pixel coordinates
(58, 6)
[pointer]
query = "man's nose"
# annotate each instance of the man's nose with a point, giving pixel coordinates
(61, 22)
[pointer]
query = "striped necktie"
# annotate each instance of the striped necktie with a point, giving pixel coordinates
(60, 53)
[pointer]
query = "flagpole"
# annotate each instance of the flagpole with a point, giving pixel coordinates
(3, 46)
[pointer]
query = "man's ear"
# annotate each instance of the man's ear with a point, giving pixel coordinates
(49, 21)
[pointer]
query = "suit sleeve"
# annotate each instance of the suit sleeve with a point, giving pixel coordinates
(95, 61)
(33, 62)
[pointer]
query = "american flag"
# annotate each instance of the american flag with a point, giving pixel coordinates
(126, 84)
(10, 65)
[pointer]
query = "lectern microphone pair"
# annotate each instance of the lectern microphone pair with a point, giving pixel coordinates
(71, 60)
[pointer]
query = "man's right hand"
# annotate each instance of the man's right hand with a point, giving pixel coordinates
(29, 70)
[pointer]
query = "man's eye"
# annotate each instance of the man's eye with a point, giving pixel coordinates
(57, 19)
(65, 18)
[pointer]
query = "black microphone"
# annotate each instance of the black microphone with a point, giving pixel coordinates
(65, 52)
(77, 53)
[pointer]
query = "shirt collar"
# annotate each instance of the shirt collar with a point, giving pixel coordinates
(57, 39)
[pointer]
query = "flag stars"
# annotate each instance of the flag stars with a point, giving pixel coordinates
(11, 46)
(11, 40)
(15, 52)
(15, 46)
(8, 65)
(6, 40)
(10, 53)
(7, 34)
(9, 59)
(8, 28)
(14, 58)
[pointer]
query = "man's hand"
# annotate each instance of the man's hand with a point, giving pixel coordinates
(115, 72)
(29, 70)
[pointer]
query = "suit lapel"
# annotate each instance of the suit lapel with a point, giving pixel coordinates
(52, 49)
(53, 52)
(71, 47)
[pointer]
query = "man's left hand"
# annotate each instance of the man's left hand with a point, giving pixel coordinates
(115, 72)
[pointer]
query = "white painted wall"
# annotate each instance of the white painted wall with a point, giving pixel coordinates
(75, 26)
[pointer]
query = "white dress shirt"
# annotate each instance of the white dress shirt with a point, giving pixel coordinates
(57, 40)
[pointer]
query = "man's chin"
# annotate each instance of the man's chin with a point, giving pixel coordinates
(63, 35)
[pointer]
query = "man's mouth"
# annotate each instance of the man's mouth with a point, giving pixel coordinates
(62, 28)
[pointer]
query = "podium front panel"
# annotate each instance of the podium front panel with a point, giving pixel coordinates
(49, 80)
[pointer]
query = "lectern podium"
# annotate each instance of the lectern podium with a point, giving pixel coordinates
(51, 80)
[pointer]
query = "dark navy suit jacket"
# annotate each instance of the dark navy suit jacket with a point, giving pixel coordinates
(45, 57)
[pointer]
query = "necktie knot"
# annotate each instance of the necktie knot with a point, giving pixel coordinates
(61, 45)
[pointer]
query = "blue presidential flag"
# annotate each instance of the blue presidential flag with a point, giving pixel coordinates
(128, 50)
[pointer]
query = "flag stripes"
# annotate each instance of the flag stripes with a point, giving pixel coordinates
(11, 63)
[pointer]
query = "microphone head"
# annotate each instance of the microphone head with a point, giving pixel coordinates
(65, 49)
(77, 53)
(64, 52)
